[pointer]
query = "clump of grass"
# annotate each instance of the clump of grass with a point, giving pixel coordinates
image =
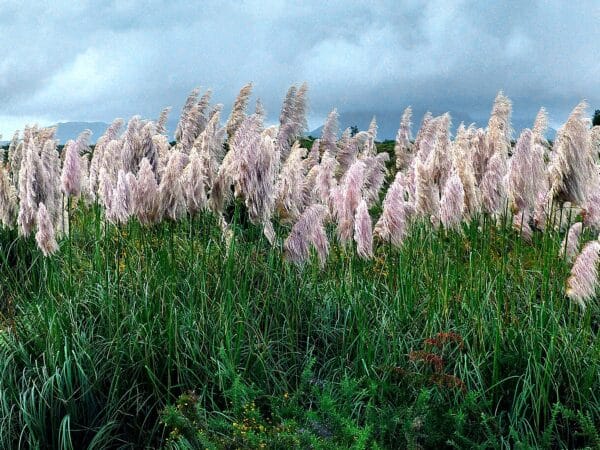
(146, 320)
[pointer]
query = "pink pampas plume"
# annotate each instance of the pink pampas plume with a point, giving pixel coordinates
(570, 244)
(44, 236)
(493, 191)
(427, 194)
(203, 113)
(238, 111)
(71, 177)
(595, 138)
(292, 120)
(347, 154)
(363, 232)
(121, 200)
(392, 226)
(161, 123)
(573, 173)
(582, 284)
(146, 197)
(50, 167)
(330, 132)
(403, 146)
(369, 148)
(290, 183)
(210, 149)
(307, 231)
(109, 135)
(375, 171)
(28, 184)
(499, 130)
(9, 207)
(480, 153)
(439, 162)
(171, 187)
(325, 180)
(185, 131)
(425, 140)
(452, 204)
(461, 157)
(15, 156)
(314, 155)
(193, 180)
(347, 198)
(105, 189)
(522, 192)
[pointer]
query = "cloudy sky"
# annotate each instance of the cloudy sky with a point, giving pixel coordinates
(96, 60)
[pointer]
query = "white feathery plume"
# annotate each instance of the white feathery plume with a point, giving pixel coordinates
(171, 187)
(425, 140)
(325, 180)
(346, 200)
(15, 156)
(71, 177)
(110, 134)
(185, 130)
(148, 149)
(330, 132)
(403, 146)
(582, 284)
(290, 183)
(480, 153)
(493, 190)
(452, 204)
(28, 186)
(308, 230)
(193, 180)
(461, 158)
(202, 108)
(121, 199)
(369, 148)
(105, 190)
(309, 189)
(499, 130)
(8, 200)
(521, 189)
(427, 194)
(570, 244)
(595, 138)
(146, 199)
(375, 173)
(161, 123)
(363, 231)
(393, 224)
(314, 155)
(44, 236)
(439, 163)
(50, 169)
(238, 111)
(347, 154)
(573, 173)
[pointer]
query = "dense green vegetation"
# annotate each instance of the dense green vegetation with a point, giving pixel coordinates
(164, 336)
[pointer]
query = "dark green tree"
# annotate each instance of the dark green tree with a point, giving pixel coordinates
(353, 130)
(596, 119)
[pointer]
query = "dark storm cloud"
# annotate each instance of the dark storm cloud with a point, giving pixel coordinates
(98, 60)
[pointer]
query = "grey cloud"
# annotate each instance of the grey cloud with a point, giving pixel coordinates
(98, 60)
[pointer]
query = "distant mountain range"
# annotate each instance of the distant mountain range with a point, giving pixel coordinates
(389, 122)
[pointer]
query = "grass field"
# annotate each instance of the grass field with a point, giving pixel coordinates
(134, 336)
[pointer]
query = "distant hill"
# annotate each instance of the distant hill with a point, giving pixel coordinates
(388, 123)
(70, 130)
